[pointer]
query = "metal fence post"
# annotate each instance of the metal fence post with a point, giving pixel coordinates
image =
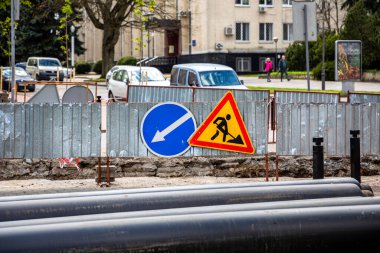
(318, 170)
(355, 154)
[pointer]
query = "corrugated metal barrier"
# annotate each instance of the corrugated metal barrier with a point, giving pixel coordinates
(286, 97)
(360, 98)
(50, 130)
(297, 124)
(208, 94)
(156, 94)
(124, 120)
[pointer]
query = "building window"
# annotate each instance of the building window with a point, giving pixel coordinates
(241, 2)
(287, 2)
(287, 31)
(243, 64)
(242, 31)
(266, 32)
(266, 2)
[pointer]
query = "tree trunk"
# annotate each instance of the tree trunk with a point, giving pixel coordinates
(110, 37)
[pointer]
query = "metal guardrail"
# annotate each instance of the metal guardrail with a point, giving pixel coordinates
(50, 130)
(297, 124)
(124, 120)
(286, 97)
(360, 98)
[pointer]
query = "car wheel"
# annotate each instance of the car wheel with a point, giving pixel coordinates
(32, 88)
(111, 97)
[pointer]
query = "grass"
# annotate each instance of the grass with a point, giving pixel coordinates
(273, 89)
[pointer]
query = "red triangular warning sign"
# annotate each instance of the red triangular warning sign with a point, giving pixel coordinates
(224, 129)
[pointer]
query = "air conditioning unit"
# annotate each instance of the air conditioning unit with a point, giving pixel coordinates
(218, 46)
(261, 9)
(183, 13)
(228, 31)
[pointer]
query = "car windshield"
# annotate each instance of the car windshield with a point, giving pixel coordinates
(49, 62)
(219, 78)
(150, 75)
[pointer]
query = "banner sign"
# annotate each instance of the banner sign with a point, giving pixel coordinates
(348, 60)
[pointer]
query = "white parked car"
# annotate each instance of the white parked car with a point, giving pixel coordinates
(133, 75)
(205, 75)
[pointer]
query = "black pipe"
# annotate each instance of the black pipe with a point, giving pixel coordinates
(355, 154)
(178, 188)
(44, 208)
(318, 170)
(344, 201)
(321, 229)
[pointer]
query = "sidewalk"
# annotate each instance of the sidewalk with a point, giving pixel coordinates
(314, 85)
(294, 83)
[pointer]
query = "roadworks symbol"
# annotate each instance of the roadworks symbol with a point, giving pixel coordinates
(224, 129)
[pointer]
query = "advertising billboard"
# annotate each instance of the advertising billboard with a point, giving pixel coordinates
(348, 60)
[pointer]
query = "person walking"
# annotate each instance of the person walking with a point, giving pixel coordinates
(283, 67)
(268, 68)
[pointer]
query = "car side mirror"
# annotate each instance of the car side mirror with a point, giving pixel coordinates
(127, 81)
(242, 82)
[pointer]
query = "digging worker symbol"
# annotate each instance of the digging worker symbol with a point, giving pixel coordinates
(222, 126)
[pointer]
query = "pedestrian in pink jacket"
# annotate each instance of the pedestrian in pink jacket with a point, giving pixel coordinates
(268, 68)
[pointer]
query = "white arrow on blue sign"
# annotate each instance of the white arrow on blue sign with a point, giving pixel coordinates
(166, 128)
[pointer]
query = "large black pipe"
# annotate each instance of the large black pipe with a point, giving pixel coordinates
(44, 208)
(321, 229)
(179, 188)
(344, 201)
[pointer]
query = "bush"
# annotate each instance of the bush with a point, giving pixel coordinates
(329, 70)
(98, 67)
(127, 60)
(82, 67)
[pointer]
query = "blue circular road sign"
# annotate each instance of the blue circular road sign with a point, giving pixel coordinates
(166, 128)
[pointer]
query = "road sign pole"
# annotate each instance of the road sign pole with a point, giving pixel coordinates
(307, 47)
(13, 50)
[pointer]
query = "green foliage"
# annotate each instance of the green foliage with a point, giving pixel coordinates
(82, 67)
(98, 67)
(127, 60)
(362, 24)
(329, 70)
(296, 56)
(316, 54)
(38, 32)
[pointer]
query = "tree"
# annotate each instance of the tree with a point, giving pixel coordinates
(37, 32)
(330, 15)
(362, 24)
(110, 16)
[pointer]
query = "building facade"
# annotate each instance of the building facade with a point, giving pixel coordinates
(237, 33)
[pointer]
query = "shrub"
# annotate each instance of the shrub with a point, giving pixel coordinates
(329, 70)
(98, 67)
(82, 67)
(127, 60)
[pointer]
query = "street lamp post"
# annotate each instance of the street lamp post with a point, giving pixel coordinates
(72, 29)
(275, 39)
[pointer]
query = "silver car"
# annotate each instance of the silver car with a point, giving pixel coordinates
(205, 75)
